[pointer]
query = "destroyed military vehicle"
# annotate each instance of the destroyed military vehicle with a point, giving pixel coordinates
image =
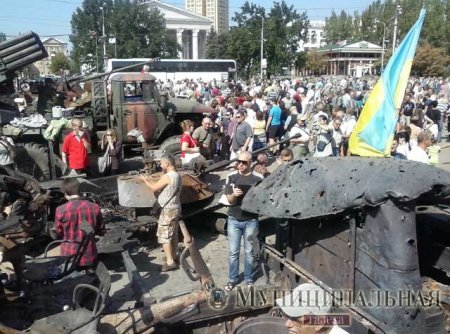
(128, 101)
(373, 233)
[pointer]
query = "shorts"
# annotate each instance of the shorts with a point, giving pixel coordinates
(274, 131)
(168, 225)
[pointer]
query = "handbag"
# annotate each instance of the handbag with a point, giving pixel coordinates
(188, 157)
(104, 161)
(322, 144)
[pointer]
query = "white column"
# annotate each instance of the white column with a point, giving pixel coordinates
(195, 44)
(180, 42)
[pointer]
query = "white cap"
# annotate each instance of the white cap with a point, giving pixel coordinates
(305, 299)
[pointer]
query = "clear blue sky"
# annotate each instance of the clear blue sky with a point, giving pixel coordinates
(52, 17)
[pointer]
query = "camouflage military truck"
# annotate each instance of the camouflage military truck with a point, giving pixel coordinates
(130, 101)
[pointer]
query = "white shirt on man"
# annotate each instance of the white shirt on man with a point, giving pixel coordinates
(418, 154)
(296, 129)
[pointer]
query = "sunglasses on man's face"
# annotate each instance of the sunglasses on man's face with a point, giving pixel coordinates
(244, 162)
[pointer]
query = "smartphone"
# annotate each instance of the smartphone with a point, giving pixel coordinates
(244, 188)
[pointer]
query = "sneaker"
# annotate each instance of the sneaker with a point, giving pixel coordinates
(230, 286)
(249, 284)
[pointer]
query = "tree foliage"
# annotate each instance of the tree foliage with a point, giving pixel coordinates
(315, 62)
(2, 37)
(59, 62)
(430, 61)
(284, 27)
(367, 26)
(139, 32)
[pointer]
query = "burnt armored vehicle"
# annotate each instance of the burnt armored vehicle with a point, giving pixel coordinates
(367, 235)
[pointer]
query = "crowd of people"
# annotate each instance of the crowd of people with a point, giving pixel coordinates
(318, 114)
(312, 116)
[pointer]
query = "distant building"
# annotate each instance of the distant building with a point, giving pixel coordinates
(316, 36)
(216, 10)
(351, 58)
(53, 46)
(190, 29)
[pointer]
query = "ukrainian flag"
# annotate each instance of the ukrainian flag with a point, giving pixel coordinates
(374, 132)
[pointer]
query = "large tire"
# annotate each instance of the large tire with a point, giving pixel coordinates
(33, 159)
(172, 146)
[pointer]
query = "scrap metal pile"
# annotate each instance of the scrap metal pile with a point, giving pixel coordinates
(26, 203)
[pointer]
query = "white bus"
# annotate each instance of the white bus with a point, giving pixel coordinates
(180, 69)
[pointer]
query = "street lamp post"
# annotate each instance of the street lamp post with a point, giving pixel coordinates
(262, 44)
(103, 32)
(384, 41)
(398, 11)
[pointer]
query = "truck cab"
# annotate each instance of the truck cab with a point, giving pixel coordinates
(135, 104)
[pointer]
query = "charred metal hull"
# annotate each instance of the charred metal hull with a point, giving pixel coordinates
(351, 227)
(317, 187)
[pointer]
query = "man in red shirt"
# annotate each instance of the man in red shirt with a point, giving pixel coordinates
(76, 146)
(68, 220)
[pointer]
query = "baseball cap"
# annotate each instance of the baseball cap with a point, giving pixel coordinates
(305, 299)
(302, 117)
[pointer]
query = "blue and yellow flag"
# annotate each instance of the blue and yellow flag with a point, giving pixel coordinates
(374, 131)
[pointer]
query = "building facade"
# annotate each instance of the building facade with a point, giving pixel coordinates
(216, 10)
(316, 36)
(53, 47)
(188, 28)
(351, 58)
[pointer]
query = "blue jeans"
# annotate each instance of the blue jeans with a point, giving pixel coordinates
(248, 229)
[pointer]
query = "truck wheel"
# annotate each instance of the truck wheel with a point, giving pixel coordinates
(172, 145)
(32, 159)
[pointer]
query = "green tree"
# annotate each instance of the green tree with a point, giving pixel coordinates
(59, 62)
(139, 32)
(315, 62)
(430, 61)
(300, 60)
(216, 45)
(338, 28)
(436, 28)
(284, 27)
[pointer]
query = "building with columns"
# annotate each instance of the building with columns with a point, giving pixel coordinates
(189, 28)
(351, 58)
(216, 10)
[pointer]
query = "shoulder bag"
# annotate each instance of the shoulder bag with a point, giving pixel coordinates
(104, 161)
(157, 209)
(188, 157)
